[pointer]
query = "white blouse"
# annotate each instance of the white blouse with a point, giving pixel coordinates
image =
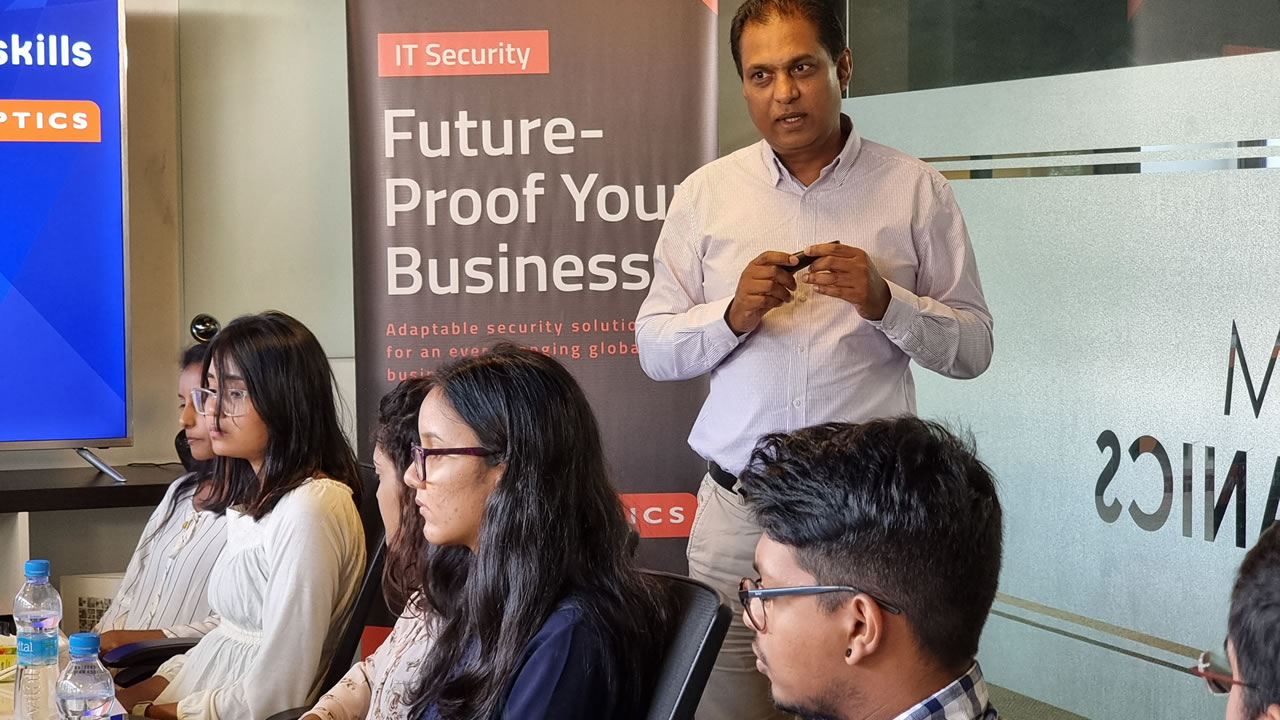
(166, 584)
(283, 589)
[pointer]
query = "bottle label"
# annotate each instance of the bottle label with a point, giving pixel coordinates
(37, 649)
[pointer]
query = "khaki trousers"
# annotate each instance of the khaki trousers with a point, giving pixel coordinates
(722, 546)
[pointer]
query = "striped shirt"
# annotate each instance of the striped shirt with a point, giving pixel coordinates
(166, 584)
(814, 359)
(963, 699)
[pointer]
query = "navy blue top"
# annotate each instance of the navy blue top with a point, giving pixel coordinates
(562, 674)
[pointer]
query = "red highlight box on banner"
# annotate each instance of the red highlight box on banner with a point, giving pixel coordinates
(495, 52)
(50, 121)
(661, 515)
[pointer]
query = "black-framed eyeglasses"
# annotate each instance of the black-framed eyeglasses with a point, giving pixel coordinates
(420, 454)
(752, 597)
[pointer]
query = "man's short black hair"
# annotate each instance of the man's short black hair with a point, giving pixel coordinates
(824, 15)
(1254, 624)
(899, 507)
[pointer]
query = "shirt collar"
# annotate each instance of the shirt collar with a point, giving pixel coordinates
(840, 167)
(964, 699)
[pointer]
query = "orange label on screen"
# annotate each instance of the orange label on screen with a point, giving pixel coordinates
(498, 52)
(661, 515)
(50, 121)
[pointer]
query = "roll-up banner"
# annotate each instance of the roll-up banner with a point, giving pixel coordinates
(511, 167)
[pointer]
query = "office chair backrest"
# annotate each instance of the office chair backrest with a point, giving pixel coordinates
(374, 534)
(697, 631)
(349, 641)
(369, 598)
(370, 517)
(183, 449)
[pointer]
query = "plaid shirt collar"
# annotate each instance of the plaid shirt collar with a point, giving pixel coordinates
(963, 699)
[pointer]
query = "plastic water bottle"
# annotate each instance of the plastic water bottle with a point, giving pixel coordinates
(85, 688)
(37, 610)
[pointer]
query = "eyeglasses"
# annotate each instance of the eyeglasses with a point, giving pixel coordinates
(420, 454)
(753, 597)
(232, 402)
(1216, 674)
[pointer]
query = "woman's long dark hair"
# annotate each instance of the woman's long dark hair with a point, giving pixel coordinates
(397, 430)
(292, 388)
(553, 527)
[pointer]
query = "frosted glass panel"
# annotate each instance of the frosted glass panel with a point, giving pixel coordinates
(1125, 225)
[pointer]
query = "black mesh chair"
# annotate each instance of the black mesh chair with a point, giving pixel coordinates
(367, 600)
(697, 632)
(183, 448)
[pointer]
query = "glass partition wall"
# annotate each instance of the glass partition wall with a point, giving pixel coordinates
(1116, 163)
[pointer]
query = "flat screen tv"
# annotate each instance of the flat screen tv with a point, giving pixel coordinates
(64, 336)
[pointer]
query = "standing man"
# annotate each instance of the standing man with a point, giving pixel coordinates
(893, 279)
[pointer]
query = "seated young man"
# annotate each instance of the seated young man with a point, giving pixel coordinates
(878, 565)
(1253, 637)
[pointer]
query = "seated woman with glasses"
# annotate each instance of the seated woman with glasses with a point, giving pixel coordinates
(165, 588)
(288, 483)
(543, 614)
(379, 687)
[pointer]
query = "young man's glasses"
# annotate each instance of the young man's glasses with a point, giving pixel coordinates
(753, 597)
(1216, 673)
(420, 454)
(228, 403)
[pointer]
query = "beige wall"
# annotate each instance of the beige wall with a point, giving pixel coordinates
(265, 176)
(266, 182)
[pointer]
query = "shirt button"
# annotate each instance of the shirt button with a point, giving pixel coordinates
(800, 349)
(797, 402)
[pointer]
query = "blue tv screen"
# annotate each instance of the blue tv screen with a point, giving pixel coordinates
(63, 271)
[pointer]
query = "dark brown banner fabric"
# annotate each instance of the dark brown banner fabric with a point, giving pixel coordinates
(511, 166)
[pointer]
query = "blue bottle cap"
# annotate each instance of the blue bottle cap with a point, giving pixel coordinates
(84, 644)
(36, 568)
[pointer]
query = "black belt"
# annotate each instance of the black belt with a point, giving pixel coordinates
(722, 478)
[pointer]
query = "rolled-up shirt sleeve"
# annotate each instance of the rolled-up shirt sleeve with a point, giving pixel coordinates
(945, 325)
